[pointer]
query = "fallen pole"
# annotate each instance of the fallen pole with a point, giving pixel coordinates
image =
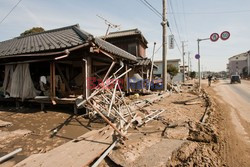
(4, 158)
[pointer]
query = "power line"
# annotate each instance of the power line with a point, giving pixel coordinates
(172, 9)
(152, 9)
(185, 20)
(216, 12)
(10, 11)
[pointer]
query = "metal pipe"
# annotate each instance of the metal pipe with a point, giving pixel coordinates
(113, 98)
(152, 65)
(5, 157)
(99, 89)
(110, 68)
(105, 154)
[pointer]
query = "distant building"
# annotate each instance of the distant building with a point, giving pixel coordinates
(158, 63)
(238, 64)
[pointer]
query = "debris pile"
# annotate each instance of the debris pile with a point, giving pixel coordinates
(202, 147)
(109, 102)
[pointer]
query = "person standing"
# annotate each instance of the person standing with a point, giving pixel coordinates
(209, 79)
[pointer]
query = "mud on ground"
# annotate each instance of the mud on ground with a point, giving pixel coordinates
(37, 132)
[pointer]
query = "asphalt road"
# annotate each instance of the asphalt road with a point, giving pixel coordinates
(237, 97)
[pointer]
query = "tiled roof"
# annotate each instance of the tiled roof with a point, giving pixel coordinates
(54, 40)
(143, 62)
(114, 49)
(125, 33)
(61, 38)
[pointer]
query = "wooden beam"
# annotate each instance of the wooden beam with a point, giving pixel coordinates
(52, 83)
(63, 77)
(126, 83)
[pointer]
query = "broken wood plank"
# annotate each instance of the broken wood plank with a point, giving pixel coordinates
(80, 152)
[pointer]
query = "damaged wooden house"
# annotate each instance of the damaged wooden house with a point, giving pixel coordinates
(56, 66)
(134, 42)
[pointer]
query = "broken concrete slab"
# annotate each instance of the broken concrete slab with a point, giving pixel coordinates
(5, 123)
(181, 133)
(162, 149)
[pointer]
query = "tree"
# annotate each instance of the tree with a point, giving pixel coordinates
(172, 70)
(193, 74)
(32, 31)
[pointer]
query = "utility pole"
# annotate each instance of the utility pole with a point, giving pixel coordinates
(183, 59)
(189, 64)
(183, 62)
(164, 46)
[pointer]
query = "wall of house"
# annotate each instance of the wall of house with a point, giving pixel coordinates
(158, 71)
(236, 66)
(131, 44)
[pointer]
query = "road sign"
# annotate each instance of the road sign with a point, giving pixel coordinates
(197, 56)
(224, 35)
(214, 37)
(171, 41)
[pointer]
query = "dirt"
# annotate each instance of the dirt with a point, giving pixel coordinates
(232, 150)
(152, 144)
(47, 130)
(176, 138)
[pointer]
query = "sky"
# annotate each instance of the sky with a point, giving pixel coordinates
(188, 19)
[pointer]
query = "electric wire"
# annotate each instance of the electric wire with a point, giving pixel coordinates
(10, 11)
(176, 25)
(154, 10)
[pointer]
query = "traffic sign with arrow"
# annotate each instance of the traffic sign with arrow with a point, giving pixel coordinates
(214, 37)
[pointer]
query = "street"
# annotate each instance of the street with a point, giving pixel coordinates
(235, 99)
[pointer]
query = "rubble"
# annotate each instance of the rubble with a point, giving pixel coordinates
(5, 123)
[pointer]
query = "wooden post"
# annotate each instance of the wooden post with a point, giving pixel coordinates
(63, 77)
(142, 85)
(52, 82)
(126, 83)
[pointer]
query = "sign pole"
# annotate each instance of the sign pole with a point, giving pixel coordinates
(213, 37)
(199, 66)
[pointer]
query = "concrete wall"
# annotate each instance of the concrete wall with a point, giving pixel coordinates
(158, 72)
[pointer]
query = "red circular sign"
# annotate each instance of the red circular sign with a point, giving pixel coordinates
(214, 37)
(225, 35)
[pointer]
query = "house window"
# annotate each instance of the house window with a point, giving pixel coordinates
(132, 48)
